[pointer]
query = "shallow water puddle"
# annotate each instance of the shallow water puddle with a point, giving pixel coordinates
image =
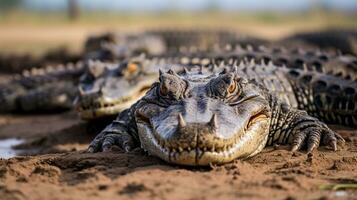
(6, 150)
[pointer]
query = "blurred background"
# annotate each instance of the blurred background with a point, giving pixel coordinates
(35, 26)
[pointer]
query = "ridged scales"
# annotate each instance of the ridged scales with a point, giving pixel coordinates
(272, 78)
(328, 63)
(327, 97)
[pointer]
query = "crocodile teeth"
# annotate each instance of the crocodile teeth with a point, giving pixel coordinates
(181, 121)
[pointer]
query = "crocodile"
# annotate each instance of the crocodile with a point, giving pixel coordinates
(345, 40)
(49, 89)
(199, 118)
(100, 97)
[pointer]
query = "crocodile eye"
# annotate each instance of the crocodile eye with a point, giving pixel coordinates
(128, 69)
(132, 68)
(224, 86)
(232, 87)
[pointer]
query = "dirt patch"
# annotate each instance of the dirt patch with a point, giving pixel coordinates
(29, 126)
(73, 174)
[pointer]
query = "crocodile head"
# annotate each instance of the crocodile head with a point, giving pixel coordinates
(196, 119)
(106, 89)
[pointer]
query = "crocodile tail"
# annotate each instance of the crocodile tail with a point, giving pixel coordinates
(325, 96)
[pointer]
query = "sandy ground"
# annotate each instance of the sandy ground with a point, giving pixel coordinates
(62, 170)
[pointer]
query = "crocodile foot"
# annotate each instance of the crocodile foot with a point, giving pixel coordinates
(312, 133)
(104, 142)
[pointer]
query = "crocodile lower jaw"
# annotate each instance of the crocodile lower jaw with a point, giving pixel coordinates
(94, 113)
(249, 144)
(110, 110)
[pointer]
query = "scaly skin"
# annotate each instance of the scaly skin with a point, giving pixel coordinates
(328, 63)
(47, 89)
(116, 47)
(197, 39)
(16, 63)
(210, 118)
(343, 40)
(112, 47)
(105, 89)
(101, 98)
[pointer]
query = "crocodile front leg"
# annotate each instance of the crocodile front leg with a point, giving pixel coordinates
(296, 127)
(121, 132)
(113, 135)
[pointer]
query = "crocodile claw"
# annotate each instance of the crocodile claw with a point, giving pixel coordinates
(312, 136)
(105, 141)
(90, 150)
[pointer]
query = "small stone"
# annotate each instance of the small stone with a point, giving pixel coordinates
(102, 187)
